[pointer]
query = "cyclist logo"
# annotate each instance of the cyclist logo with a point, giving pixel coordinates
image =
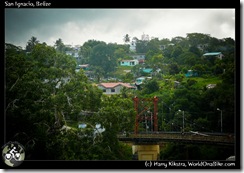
(13, 154)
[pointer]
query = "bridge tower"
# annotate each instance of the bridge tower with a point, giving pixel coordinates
(147, 112)
(143, 108)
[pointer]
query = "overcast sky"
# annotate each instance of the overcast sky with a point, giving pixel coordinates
(76, 26)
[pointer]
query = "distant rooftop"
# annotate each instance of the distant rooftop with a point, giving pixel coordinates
(147, 70)
(129, 60)
(112, 85)
(210, 86)
(83, 65)
(212, 53)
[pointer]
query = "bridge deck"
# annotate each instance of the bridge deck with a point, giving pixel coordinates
(218, 139)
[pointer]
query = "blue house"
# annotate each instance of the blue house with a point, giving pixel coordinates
(129, 62)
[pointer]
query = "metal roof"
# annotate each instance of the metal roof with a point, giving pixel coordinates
(147, 70)
(212, 53)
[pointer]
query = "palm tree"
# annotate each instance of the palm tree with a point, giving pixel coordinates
(31, 43)
(59, 45)
(126, 38)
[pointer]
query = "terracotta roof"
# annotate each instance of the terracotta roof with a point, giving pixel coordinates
(112, 85)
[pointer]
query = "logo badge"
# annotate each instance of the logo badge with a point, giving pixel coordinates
(13, 154)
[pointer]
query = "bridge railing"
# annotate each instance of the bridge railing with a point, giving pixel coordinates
(224, 138)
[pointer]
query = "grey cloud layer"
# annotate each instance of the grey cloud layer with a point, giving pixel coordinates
(79, 25)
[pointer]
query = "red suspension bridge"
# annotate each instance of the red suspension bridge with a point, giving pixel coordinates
(147, 111)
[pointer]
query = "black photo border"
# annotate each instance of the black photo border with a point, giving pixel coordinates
(137, 165)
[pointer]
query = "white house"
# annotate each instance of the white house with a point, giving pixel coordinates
(129, 62)
(133, 46)
(114, 88)
(73, 52)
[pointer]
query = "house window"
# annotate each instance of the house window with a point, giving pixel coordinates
(104, 90)
(112, 90)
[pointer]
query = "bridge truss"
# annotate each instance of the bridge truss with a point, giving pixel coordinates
(146, 112)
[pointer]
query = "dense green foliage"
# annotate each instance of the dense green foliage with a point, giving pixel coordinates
(43, 91)
(46, 99)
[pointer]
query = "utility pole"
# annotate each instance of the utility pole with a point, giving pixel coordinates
(221, 124)
(183, 121)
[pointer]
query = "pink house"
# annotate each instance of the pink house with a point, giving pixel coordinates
(114, 88)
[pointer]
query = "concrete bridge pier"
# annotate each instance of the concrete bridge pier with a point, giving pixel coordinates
(145, 152)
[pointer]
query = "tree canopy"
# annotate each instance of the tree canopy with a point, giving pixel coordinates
(47, 99)
(43, 92)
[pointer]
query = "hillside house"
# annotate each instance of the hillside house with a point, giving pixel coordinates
(129, 62)
(138, 56)
(114, 88)
(74, 52)
(141, 79)
(133, 46)
(84, 66)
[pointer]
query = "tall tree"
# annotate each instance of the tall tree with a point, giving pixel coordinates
(43, 90)
(59, 45)
(151, 86)
(102, 55)
(126, 38)
(31, 43)
(141, 46)
(196, 39)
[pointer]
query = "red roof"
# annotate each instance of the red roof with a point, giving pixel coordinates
(141, 61)
(112, 85)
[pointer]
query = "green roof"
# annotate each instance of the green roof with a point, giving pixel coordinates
(147, 70)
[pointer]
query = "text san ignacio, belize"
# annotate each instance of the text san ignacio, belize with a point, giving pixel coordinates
(27, 4)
